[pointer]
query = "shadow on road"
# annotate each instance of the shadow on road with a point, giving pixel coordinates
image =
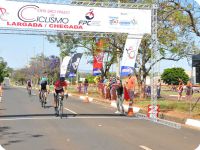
(64, 115)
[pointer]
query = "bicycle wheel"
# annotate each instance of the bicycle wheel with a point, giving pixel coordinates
(29, 92)
(57, 105)
(61, 109)
(42, 99)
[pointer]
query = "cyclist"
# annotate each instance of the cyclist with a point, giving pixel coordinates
(29, 85)
(43, 86)
(60, 86)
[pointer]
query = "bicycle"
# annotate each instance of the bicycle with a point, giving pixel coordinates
(29, 91)
(43, 98)
(59, 108)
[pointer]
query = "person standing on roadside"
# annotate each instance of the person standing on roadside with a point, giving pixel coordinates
(189, 91)
(158, 88)
(180, 90)
(1, 92)
(120, 99)
(130, 85)
(85, 86)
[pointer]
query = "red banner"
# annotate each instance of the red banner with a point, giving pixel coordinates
(98, 58)
(126, 95)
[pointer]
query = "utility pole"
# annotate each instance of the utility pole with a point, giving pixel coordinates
(43, 53)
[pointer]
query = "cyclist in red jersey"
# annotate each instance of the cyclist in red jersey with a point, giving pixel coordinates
(60, 86)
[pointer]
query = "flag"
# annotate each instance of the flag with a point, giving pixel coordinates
(198, 1)
(73, 65)
(126, 95)
(98, 58)
(63, 67)
(129, 55)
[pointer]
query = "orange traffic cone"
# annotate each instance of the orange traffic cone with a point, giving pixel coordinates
(130, 110)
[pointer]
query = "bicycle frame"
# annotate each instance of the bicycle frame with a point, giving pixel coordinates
(29, 90)
(43, 98)
(59, 101)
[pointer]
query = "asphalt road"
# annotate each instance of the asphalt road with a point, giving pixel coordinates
(24, 124)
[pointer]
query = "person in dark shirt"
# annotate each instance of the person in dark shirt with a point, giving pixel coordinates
(119, 91)
(85, 85)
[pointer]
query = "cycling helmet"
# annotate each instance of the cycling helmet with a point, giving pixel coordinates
(62, 79)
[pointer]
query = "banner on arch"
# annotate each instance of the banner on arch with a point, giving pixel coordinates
(41, 16)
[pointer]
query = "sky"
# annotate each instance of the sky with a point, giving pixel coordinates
(17, 50)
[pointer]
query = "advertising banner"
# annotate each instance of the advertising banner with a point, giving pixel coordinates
(73, 64)
(129, 55)
(39, 16)
(198, 1)
(98, 58)
(63, 67)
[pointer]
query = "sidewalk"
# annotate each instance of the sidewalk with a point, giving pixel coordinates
(168, 115)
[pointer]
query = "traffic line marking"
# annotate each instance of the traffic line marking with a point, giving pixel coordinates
(198, 148)
(144, 147)
(1, 148)
(28, 118)
(71, 111)
(68, 117)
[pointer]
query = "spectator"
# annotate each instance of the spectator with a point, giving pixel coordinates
(107, 86)
(85, 86)
(189, 90)
(158, 88)
(1, 92)
(119, 90)
(173, 87)
(180, 90)
(112, 88)
(130, 84)
(79, 87)
(148, 90)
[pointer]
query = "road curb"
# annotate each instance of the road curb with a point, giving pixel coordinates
(193, 122)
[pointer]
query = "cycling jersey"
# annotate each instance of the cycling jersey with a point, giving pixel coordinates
(43, 83)
(59, 85)
(29, 83)
(43, 80)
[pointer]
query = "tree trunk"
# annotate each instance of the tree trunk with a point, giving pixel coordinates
(141, 87)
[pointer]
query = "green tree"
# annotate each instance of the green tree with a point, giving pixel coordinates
(4, 70)
(20, 75)
(172, 75)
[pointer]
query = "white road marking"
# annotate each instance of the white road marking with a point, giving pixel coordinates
(198, 148)
(71, 111)
(144, 147)
(28, 118)
(68, 117)
(1, 148)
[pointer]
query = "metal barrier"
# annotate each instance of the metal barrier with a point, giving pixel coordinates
(160, 121)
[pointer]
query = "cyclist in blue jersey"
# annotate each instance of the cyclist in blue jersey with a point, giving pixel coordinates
(43, 85)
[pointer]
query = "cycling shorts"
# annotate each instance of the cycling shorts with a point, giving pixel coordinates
(59, 91)
(44, 86)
